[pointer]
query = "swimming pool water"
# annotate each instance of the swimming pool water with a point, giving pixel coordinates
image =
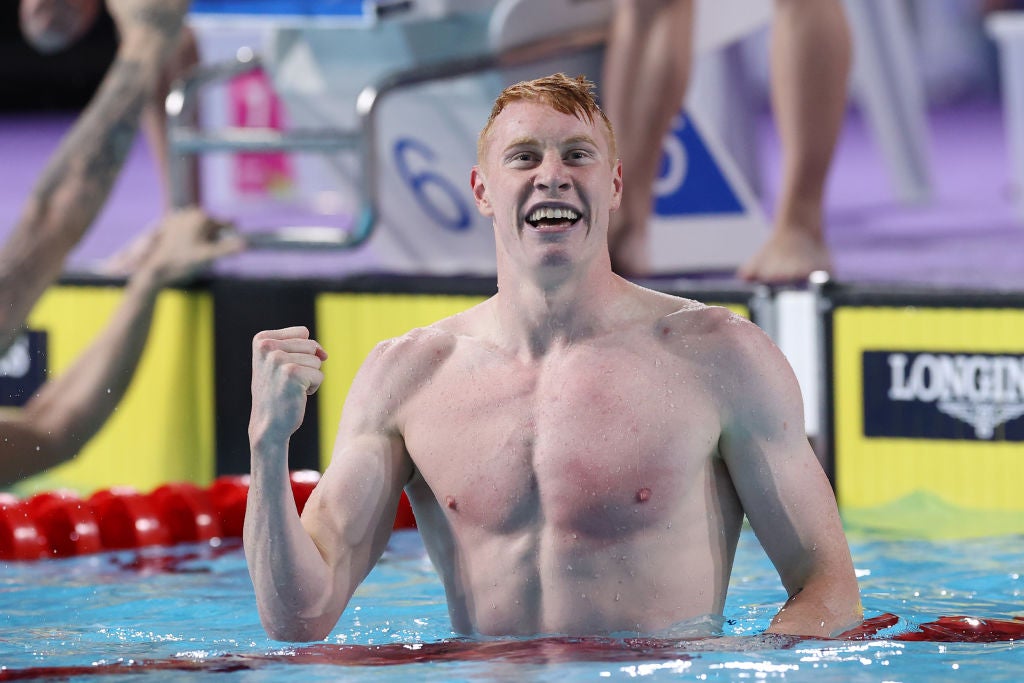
(193, 605)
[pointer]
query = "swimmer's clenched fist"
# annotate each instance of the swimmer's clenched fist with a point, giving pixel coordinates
(285, 371)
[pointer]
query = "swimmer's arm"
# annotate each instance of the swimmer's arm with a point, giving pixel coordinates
(351, 513)
(79, 176)
(306, 570)
(69, 410)
(183, 59)
(784, 491)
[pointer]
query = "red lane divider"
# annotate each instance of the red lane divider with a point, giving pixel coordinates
(967, 630)
(128, 519)
(67, 522)
(229, 494)
(62, 524)
(20, 538)
(188, 511)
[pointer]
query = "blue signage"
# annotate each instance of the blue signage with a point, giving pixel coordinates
(328, 8)
(690, 181)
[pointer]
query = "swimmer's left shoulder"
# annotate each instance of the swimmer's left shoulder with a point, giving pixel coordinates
(690, 317)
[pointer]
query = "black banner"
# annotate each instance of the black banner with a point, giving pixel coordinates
(23, 368)
(944, 395)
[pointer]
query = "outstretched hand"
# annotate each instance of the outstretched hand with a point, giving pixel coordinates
(285, 371)
(185, 242)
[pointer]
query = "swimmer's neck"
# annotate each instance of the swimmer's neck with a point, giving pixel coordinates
(536, 317)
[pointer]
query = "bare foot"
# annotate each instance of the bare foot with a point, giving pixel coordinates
(787, 256)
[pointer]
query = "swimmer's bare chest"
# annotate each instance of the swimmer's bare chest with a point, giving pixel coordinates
(502, 441)
(528, 467)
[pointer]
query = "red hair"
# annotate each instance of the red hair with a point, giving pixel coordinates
(574, 96)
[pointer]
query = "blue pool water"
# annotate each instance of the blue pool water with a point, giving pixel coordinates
(155, 613)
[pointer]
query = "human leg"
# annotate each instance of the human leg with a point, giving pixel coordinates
(646, 68)
(811, 55)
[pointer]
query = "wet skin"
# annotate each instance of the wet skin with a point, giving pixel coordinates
(579, 450)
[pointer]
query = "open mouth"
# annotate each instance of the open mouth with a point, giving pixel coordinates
(551, 217)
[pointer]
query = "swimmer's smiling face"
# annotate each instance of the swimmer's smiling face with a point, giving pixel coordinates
(549, 181)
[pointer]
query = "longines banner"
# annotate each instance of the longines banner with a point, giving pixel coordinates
(928, 400)
(944, 395)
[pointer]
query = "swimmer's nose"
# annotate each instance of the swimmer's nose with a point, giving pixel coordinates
(552, 176)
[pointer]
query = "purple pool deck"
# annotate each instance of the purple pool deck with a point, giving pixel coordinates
(969, 234)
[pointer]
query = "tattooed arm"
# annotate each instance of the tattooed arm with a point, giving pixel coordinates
(80, 174)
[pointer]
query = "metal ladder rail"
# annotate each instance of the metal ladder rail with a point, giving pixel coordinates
(185, 140)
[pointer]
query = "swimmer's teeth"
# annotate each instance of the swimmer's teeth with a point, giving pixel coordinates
(550, 213)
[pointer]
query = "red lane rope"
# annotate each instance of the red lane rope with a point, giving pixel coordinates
(63, 524)
(532, 651)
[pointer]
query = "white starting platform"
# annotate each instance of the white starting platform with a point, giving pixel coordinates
(353, 124)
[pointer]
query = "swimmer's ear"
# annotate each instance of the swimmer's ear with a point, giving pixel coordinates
(616, 185)
(478, 183)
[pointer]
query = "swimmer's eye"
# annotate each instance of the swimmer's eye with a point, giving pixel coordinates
(521, 158)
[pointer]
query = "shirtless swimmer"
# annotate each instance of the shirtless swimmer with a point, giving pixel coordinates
(579, 451)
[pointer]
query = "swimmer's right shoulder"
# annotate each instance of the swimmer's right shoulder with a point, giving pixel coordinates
(420, 351)
(396, 370)
(420, 347)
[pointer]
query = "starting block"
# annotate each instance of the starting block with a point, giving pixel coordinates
(361, 125)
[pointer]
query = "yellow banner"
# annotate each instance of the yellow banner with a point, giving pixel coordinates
(928, 406)
(350, 325)
(163, 430)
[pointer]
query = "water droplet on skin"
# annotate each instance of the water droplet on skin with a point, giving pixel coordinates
(618, 596)
(575, 536)
(583, 595)
(669, 525)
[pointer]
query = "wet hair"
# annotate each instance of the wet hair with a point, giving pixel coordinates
(573, 96)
